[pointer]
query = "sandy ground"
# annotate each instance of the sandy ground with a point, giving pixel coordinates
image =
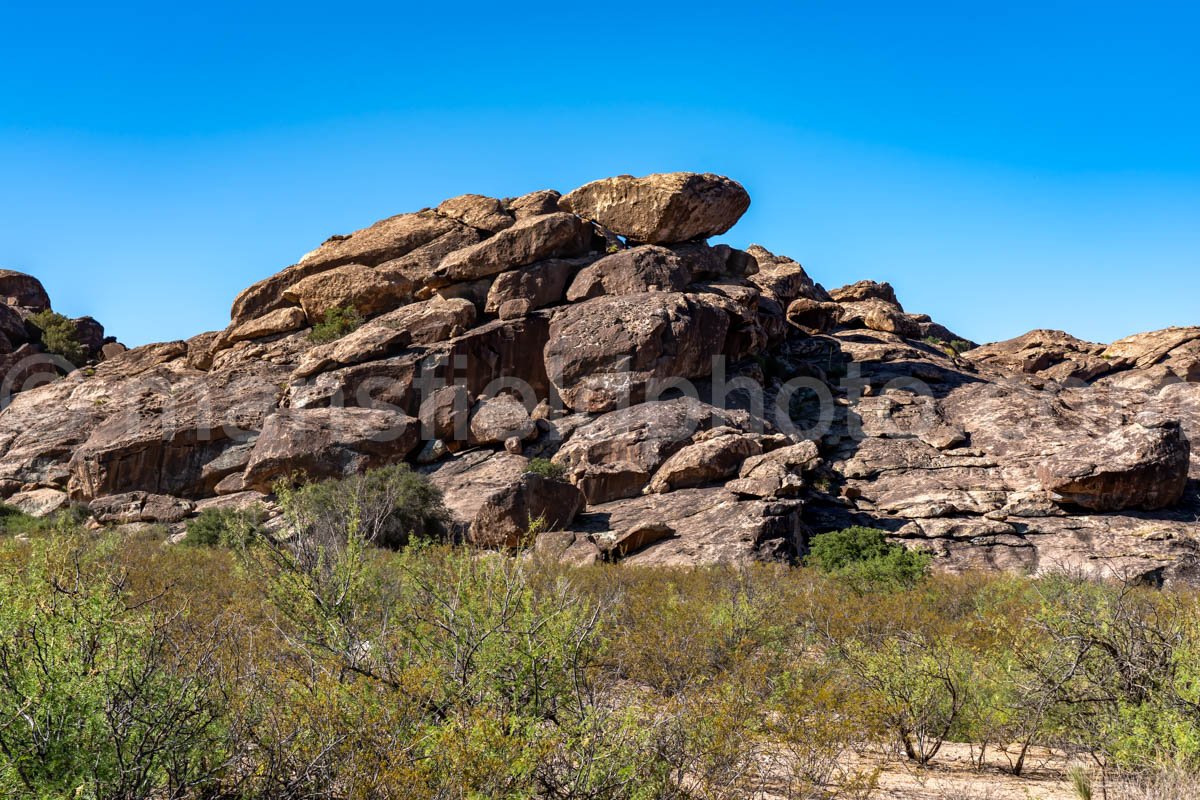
(953, 776)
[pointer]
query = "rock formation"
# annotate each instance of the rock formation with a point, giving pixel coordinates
(704, 403)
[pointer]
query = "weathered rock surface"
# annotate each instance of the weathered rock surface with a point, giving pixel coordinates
(529, 240)
(663, 208)
(355, 286)
(1143, 466)
(328, 443)
(509, 516)
(1040, 453)
(634, 271)
(613, 349)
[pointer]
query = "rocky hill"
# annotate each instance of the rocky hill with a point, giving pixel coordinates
(704, 403)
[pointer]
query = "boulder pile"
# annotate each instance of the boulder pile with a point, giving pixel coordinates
(695, 402)
(25, 360)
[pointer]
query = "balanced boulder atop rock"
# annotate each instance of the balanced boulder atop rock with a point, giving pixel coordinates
(663, 208)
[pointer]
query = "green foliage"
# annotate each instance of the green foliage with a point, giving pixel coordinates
(337, 323)
(59, 336)
(224, 527)
(864, 558)
(15, 522)
(384, 507)
(317, 665)
(97, 701)
(546, 468)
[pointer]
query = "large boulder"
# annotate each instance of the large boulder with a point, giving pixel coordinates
(328, 443)
(38, 502)
(123, 509)
(356, 286)
(1144, 350)
(640, 269)
(879, 315)
(714, 456)
(782, 279)
(662, 208)
(1140, 466)
(532, 239)
(281, 320)
(383, 241)
(613, 349)
(477, 211)
(517, 292)
(695, 527)
(507, 517)
(813, 316)
(866, 290)
(614, 455)
(494, 420)
(26, 291)
(779, 473)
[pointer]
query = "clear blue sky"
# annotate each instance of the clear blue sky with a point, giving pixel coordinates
(1005, 165)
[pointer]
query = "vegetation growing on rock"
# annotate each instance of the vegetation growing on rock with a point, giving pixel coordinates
(59, 336)
(336, 323)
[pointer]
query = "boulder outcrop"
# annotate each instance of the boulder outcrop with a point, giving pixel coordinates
(661, 209)
(703, 403)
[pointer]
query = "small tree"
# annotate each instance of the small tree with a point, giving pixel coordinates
(60, 336)
(866, 560)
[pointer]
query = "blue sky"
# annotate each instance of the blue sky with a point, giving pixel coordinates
(1006, 167)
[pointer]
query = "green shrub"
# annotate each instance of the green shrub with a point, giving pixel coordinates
(546, 468)
(337, 323)
(866, 559)
(110, 705)
(15, 522)
(384, 507)
(224, 527)
(60, 336)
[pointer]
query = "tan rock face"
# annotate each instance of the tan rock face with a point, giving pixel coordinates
(529, 240)
(635, 271)
(535, 286)
(328, 443)
(477, 211)
(282, 320)
(662, 208)
(351, 286)
(1143, 466)
(1052, 354)
(611, 348)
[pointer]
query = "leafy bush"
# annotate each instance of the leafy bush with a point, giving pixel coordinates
(337, 323)
(60, 336)
(384, 507)
(223, 527)
(109, 706)
(866, 559)
(546, 468)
